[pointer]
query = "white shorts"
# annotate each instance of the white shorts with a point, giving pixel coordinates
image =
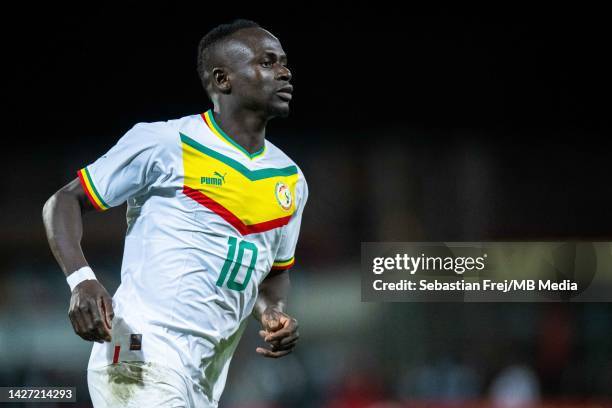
(139, 384)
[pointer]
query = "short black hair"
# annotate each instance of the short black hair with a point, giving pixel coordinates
(215, 35)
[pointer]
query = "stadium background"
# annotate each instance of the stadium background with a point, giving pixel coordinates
(426, 125)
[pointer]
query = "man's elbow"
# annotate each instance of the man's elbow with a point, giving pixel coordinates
(49, 206)
(55, 202)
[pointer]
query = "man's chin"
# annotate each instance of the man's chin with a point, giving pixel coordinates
(280, 110)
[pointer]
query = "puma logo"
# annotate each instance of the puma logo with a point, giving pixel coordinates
(219, 180)
(222, 177)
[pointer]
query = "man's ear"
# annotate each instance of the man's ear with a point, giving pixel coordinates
(221, 80)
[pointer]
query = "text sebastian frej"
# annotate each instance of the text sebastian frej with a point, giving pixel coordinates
(508, 285)
(459, 265)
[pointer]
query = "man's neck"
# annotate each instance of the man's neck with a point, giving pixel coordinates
(246, 128)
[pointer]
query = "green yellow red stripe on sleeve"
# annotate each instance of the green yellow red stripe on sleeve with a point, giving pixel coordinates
(90, 190)
(283, 265)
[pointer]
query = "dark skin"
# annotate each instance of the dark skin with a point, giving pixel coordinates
(91, 307)
(248, 81)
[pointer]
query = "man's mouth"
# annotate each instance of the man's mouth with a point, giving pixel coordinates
(285, 93)
(285, 96)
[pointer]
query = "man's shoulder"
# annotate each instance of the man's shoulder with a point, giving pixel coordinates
(186, 123)
(162, 132)
(170, 125)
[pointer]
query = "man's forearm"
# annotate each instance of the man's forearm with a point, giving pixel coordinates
(273, 292)
(91, 307)
(278, 329)
(62, 216)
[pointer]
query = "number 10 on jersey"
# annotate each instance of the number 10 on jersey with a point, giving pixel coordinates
(237, 264)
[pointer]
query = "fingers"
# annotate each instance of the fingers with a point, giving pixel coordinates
(88, 321)
(289, 329)
(105, 304)
(81, 323)
(281, 342)
(93, 322)
(97, 317)
(284, 341)
(287, 343)
(78, 325)
(91, 311)
(271, 321)
(272, 354)
(283, 347)
(290, 339)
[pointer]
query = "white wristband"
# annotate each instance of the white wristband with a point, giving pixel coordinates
(78, 276)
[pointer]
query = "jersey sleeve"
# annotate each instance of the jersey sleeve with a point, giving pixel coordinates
(285, 257)
(126, 170)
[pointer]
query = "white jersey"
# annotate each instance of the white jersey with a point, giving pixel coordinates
(207, 221)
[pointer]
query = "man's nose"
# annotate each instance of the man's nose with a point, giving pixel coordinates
(284, 74)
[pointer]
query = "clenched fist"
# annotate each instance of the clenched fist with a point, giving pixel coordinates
(91, 311)
(279, 330)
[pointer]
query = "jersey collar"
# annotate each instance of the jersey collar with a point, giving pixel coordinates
(209, 119)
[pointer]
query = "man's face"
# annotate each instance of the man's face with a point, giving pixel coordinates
(258, 73)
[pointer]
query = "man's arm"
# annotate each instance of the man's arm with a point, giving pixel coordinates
(91, 308)
(279, 329)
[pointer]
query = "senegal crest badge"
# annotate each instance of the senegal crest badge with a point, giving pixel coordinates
(283, 196)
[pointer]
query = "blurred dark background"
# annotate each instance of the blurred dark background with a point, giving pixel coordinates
(410, 124)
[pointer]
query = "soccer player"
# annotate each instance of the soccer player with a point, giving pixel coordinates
(213, 216)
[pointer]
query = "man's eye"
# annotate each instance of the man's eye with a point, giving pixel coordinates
(266, 64)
